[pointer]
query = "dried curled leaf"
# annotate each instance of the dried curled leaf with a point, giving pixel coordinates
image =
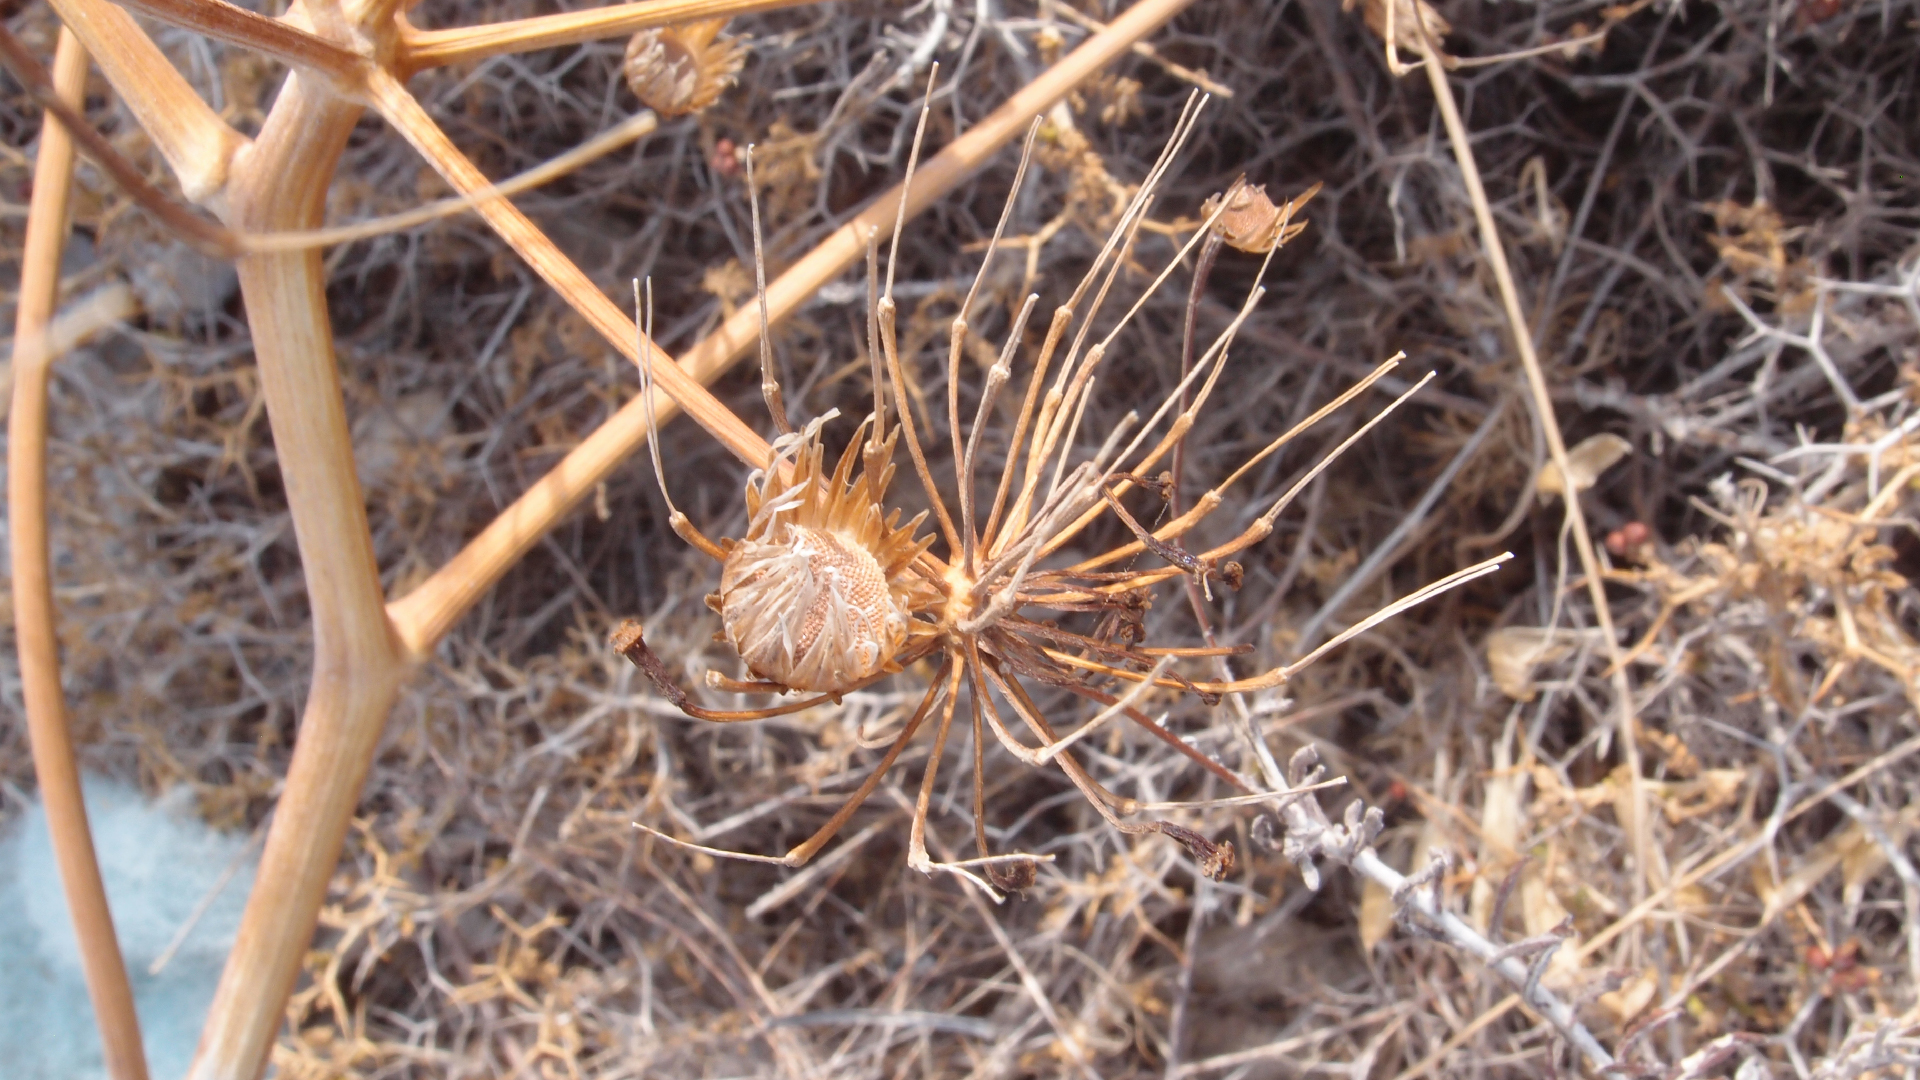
(1587, 461)
(677, 70)
(1251, 222)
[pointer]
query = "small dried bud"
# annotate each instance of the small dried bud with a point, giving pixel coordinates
(1251, 222)
(676, 70)
(1233, 574)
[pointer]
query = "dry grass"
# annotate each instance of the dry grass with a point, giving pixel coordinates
(1722, 270)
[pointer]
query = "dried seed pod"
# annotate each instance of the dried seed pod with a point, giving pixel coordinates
(818, 596)
(1251, 222)
(676, 70)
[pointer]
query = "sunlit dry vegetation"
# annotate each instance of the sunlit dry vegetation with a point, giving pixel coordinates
(1645, 795)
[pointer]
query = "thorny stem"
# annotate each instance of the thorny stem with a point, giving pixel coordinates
(35, 636)
(1309, 834)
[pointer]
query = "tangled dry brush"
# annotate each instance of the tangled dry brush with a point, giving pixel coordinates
(1694, 836)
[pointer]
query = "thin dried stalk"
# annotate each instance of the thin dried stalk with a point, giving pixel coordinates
(38, 643)
(422, 49)
(1542, 400)
(405, 114)
(238, 26)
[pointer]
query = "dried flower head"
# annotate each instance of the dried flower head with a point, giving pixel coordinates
(827, 593)
(1249, 221)
(818, 595)
(677, 70)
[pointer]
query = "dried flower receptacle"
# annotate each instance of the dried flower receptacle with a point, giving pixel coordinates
(677, 70)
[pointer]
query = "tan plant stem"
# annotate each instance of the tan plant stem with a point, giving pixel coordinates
(197, 144)
(207, 237)
(33, 613)
(217, 241)
(358, 664)
(1637, 826)
(422, 49)
(428, 612)
(407, 117)
(238, 26)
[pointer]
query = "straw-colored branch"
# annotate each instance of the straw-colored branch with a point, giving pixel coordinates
(1637, 825)
(35, 637)
(358, 664)
(422, 49)
(430, 610)
(198, 145)
(406, 115)
(207, 237)
(288, 44)
(637, 126)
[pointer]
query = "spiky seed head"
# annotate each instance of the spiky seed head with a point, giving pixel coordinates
(819, 594)
(677, 70)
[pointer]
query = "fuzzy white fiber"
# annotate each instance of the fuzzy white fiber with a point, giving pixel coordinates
(159, 861)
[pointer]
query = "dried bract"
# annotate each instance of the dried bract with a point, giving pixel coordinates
(677, 70)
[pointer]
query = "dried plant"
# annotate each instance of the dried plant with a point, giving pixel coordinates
(1705, 215)
(349, 57)
(828, 593)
